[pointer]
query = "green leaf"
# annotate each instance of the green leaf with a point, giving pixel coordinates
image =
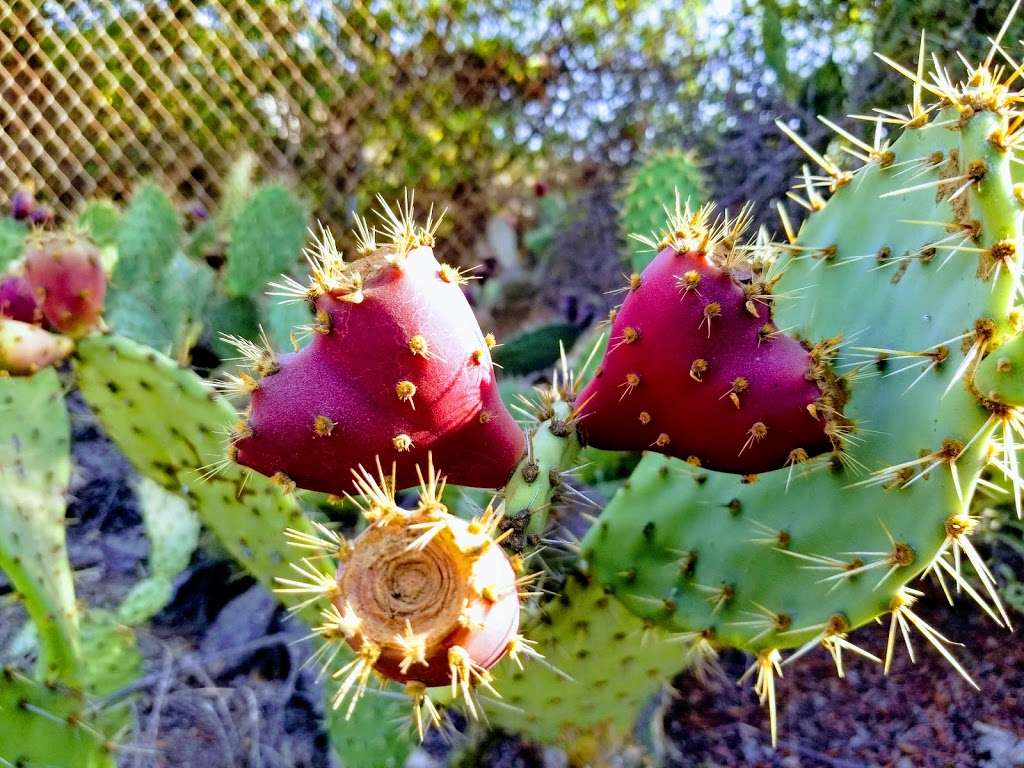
(12, 240)
(148, 237)
(265, 239)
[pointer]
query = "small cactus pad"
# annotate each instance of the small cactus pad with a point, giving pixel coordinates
(25, 348)
(46, 726)
(696, 369)
(601, 663)
(172, 528)
(66, 273)
(552, 448)
(907, 280)
(397, 369)
(1000, 376)
(657, 185)
(18, 301)
(423, 598)
(35, 467)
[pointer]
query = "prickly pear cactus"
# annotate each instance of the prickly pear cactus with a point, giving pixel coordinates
(129, 386)
(651, 189)
(35, 466)
(172, 528)
(904, 285)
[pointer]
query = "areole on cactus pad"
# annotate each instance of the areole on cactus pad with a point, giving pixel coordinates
(397, 369)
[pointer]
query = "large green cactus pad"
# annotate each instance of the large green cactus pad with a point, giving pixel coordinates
(35, 467)
(43, 726)
(905, 310)
(173, 428)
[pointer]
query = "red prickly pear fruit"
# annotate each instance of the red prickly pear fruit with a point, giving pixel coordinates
(26, 348)
(18, 301)
(67, 275)
(397, 368)
(695, 369)
(23, 202)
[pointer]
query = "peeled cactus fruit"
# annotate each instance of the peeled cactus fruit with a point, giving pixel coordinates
(397, 368)
(26, 348)
(422, 584)
(696, 369)
(67, 274)
(423, 598)
(18, 301)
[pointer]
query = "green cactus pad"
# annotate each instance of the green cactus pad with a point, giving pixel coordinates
(651, 189)
(266, 238)
(173, 531)
(12, 240)
(904, 311)
(601, 663)
(46, 726)
(148, 237)
(101, 220)
(552, 449)
(110, 660)
(379, 734)
(35, 467)
(1000, 376)
(132, 389)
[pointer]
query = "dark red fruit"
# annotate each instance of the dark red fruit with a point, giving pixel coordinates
(695, 369)
(397, 368)
(66, 273)
(18, 301)
(23, 202)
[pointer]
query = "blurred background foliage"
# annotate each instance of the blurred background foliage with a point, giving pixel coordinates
(469, 102)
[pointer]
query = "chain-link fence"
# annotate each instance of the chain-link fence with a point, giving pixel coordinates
(344, 99)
